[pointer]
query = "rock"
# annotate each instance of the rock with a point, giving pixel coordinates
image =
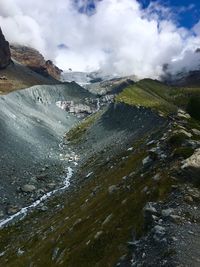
(194, 193)
(189, 135)
(150, 214)
(156, 177)
(55, 254)
(51, 186)
(31, 58)
(183, 115)
(146, 161)
(5, 55)
(175, 218)
(152, 142)
(159, 230)
(145, 189)
(167, 212)
(78, 221)
(71, 107)
(193, 161)
(112, 189)
(1, 213)
(43, 208)
(42, 176)
(196, 132)
(12, 209)
(150, 209)
(124, 202)
(193, 143)
(107, 220)
(188, 199)
(98, 234)
(28, 188)
(20, 252)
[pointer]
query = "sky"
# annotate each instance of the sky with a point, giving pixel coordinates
(189, 10)
(118, 37)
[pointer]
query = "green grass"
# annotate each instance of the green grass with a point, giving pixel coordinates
(160, 97)
(183, 152)
(193, 107)
(177, 139)
(76, 133)
(136, 95)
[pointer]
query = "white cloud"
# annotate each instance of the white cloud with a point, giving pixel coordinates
(119, 38)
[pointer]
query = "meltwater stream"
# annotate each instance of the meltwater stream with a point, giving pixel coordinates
(24, 211)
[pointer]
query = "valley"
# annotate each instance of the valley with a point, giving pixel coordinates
(101, 175)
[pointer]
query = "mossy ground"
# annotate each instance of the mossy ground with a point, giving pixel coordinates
(75, 226)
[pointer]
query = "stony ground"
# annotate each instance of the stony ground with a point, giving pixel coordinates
(32, 129)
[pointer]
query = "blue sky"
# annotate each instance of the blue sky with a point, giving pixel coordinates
(187, 11)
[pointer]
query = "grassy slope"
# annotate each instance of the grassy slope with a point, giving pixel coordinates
(154, 94)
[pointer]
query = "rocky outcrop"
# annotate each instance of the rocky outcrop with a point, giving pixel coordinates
(31, 58)
(5, 57)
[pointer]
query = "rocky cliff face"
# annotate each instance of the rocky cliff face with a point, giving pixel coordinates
(5, 57)
(34, 60)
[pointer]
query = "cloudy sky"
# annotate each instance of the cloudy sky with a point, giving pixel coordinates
(121, 37)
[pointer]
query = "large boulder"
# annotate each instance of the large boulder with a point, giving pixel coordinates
(5, 56)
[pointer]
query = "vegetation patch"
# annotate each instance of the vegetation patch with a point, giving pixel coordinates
(193, 107)
(76, 133)
(183, 152)
(136, 95)
(177, 139)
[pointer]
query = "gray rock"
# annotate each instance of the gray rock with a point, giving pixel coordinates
(107, 220)
(188, 199)
(42, 177)
(167, 212)
(187, 134)
(112, 189)
(12, 209)
(196, 132)
(28, 188)
(98, 234)
(156, 177)
(159, 230)
(183, 115)
(175, 218)
(150, 209)
(77, 222)
(146, 161)
(55, 254)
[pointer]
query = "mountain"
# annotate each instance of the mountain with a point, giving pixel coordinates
(35, 61)
(5, 55)
(191, 78)
(22, 67)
